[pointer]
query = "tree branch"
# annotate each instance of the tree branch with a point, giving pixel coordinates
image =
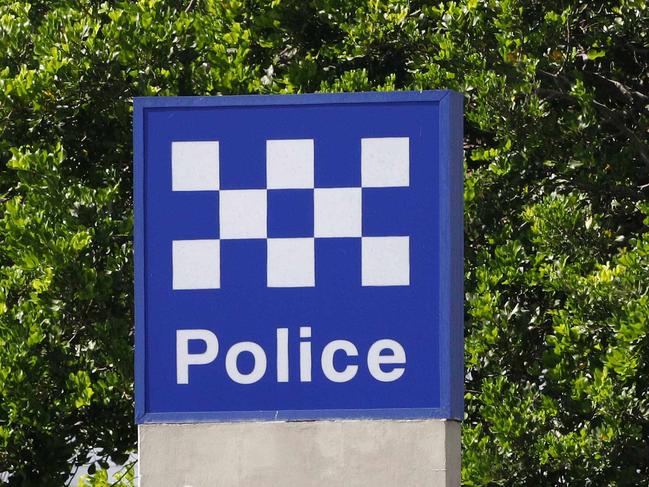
(614, 119)
(624, 92)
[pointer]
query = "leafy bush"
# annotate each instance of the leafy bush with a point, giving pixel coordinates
(125, 477)
(557, 176)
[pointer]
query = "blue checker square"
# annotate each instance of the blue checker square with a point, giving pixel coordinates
(183, 213)
(243, 265)
(243, 166)
(290, 213)
(298, 257)
(383, 210)
(338, 156)
(339, 264)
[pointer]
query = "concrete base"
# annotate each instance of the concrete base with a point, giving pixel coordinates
(364, 453)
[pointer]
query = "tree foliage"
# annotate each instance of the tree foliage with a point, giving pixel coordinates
(557, 179)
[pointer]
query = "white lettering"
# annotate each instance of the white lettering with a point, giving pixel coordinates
(258, 369)
(385, 359)
(282, 355)
(305, 355)
(184, 359)
(375, 359)
(327, 361)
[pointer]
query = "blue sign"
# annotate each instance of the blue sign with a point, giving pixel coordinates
(299, 257)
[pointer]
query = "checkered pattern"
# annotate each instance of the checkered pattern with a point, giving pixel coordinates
(290, 213)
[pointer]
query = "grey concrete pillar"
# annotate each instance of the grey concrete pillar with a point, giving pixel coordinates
(376, 453)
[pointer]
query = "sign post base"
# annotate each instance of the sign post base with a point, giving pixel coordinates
(406, 453)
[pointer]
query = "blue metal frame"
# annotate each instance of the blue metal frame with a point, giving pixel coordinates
(450, 299)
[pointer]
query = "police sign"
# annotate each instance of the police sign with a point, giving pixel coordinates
(298, 257)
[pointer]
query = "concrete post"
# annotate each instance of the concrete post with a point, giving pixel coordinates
(376, 453)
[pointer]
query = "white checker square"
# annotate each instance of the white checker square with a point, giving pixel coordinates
(289, 164)
(338, 212)
(195, 166)
(196, 264)
(242, 213)
(291, 262)
(385, 162)
(386, 261)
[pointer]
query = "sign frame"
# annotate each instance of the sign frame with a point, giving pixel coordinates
(450, 299)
